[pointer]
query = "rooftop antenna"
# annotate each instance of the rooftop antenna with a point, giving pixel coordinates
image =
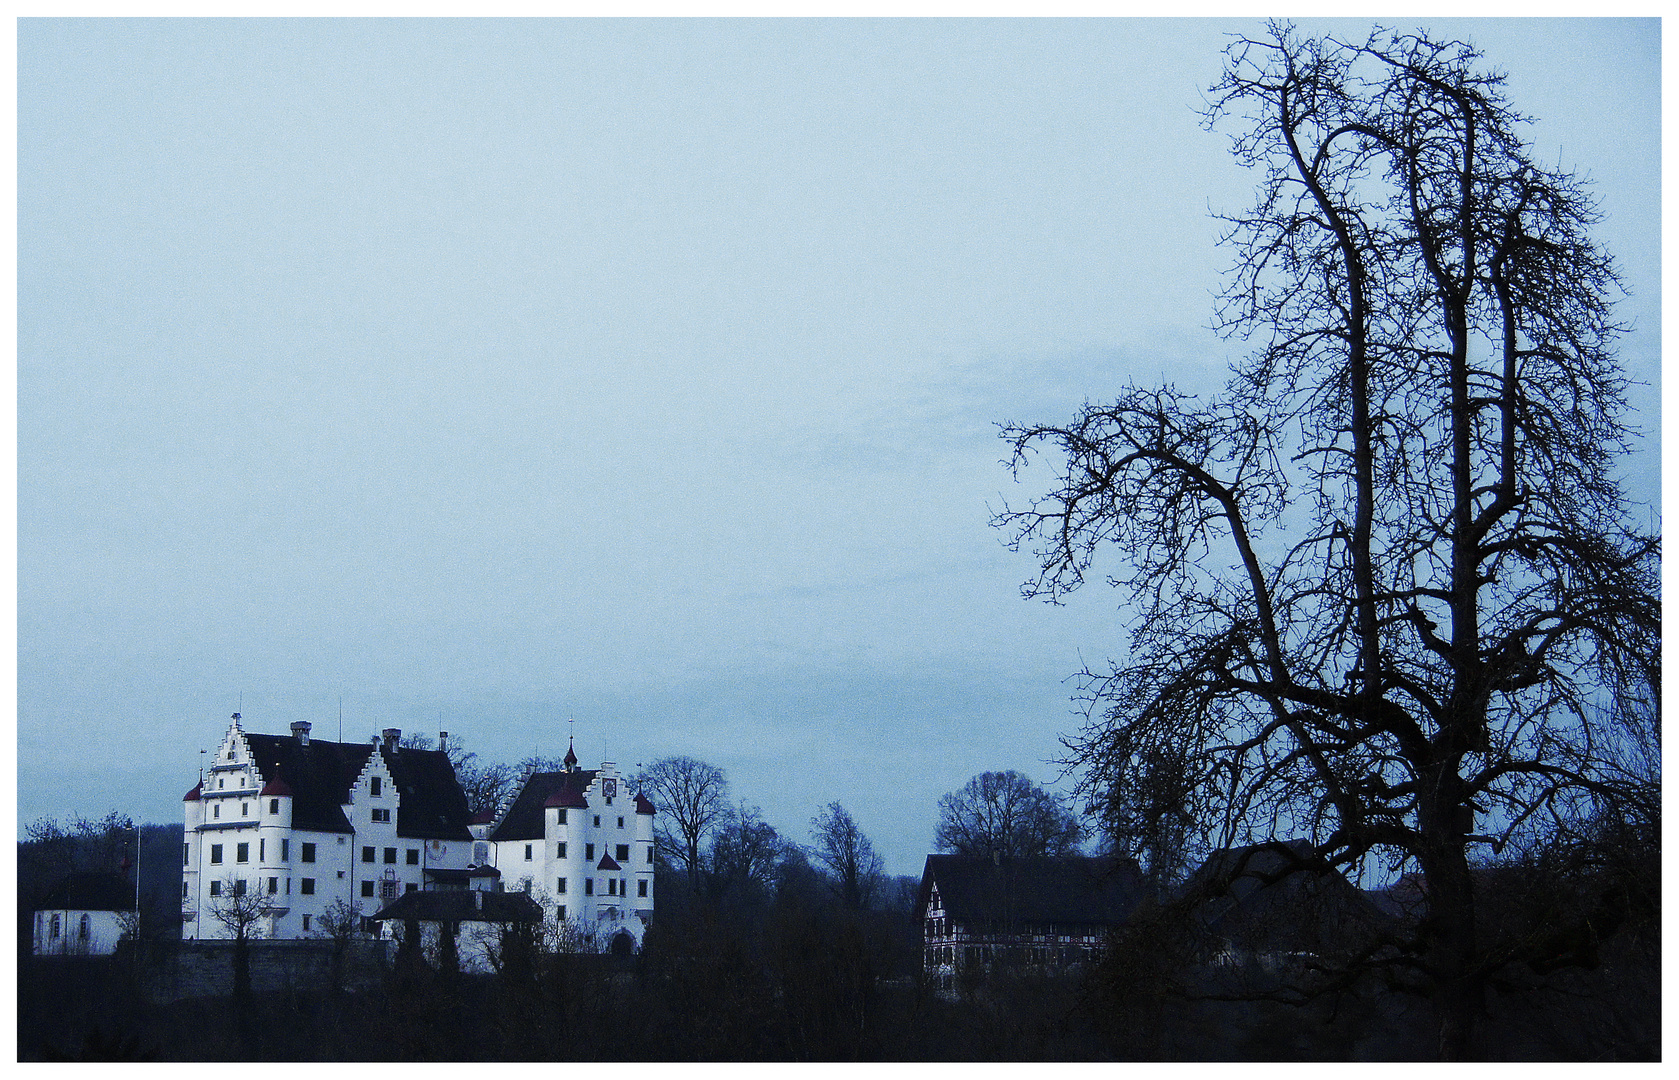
(201, 754)
(340, 717)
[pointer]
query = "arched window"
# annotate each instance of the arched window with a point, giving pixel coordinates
(82, 933)
(56, 926)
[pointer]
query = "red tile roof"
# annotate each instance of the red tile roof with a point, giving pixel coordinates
(644, 805)
(195, 794)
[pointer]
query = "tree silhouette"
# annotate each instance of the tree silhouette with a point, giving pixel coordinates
(1004, 813)
(692, 800)
(848, 855)
(1390, 596)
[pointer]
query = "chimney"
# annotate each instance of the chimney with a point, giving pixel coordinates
(300, 732)
(443, 741)
(392, 737)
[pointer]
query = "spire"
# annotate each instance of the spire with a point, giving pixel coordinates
(570, 758)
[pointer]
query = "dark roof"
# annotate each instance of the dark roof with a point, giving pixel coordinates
(1068, 890)
(320, 776)
(445, 873)
(196, 794)
(84, 891)
(523, 820)
(276, 786)
(607, 863)
(463, 905)
(1278, 895)
(644, 805)
(433, 806)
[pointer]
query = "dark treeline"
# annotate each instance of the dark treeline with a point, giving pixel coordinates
(776, 950)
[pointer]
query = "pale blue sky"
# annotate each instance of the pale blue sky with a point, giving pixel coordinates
(639, 372)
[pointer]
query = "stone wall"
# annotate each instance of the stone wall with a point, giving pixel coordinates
(174, 970)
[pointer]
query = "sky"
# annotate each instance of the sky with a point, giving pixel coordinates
(488, 375)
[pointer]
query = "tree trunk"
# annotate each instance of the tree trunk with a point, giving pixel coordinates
(1451, 956)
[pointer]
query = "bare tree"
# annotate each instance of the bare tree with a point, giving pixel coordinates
(848, 855)
(1390, 594)
(692, 800)
(241, 910)
(745, 851)
(340, 923)
(1004, 813)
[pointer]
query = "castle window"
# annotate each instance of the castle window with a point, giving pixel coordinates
(641, 887)
(410, 887)
(562, 913)
(559, 850)
(307, 886)
(244, 809)
(57, 927)
(367, 889)
(215, 853)
(649, 854)
(527, 852)
(186, 854)
(413, 856)
(242, 853)
(559, 886)
(589, 851)
(273, 806)
(215, 888)
(183, 890)
(216, 810)
(597, 821)
(377, 785)
(273, 886)
(285, 849)
(82, 933)
(239, 887)
(390, 855)
(623, 855)
(588, 886)
(308, 852)
(562, 815)
(305, 922)
(262, 851)
(367, 854)
(221, 782)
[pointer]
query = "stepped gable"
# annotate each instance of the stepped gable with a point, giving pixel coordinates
(523, 820)
(320, 776)
(433, 806)
(1065, 890)
(82, 891)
